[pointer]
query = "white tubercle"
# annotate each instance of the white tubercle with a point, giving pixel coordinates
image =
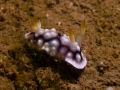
(78, 57)
(46, 30)
(53, 51)
(54, 43)
(74, 46)
(40, 42)
(47, 35)
(50, 34)
(66, 36)
(77, 46)
(65, 40)
(36, 34)
(39, 32)
(32, 41)
(69, 55)
(53, 47)
(53, 34)
(46, 47)
(74, 63)
(53, 29)
(26, 35)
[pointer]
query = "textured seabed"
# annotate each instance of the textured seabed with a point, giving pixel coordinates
(23, 68)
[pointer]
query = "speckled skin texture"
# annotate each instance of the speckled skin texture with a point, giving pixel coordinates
(56, 43)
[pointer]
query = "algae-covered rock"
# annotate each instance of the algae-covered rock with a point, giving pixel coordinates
(6, 84)
(47, 79)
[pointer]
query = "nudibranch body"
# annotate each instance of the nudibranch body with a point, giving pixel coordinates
(56, 43)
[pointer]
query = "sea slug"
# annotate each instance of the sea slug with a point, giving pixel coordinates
(56, 43)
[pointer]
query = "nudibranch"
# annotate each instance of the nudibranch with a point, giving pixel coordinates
(56, 43)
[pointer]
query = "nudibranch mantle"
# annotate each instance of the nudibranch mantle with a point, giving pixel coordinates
(56, 43)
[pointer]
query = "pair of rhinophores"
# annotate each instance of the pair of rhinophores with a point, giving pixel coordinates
(57, 44)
